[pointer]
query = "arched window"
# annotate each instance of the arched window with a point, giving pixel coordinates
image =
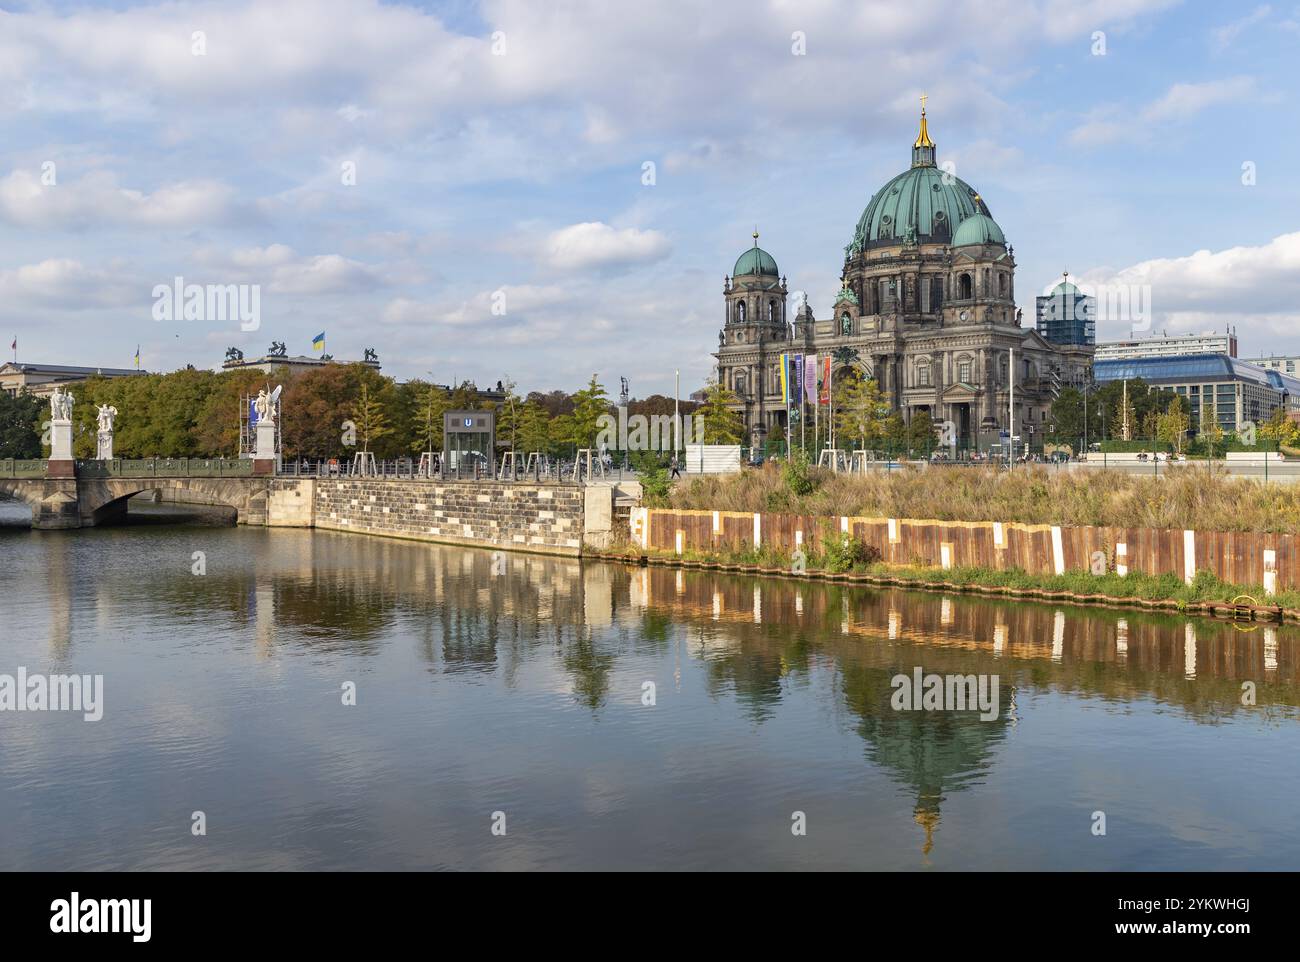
(771, 310)
(966, 287)
(923, 374)
(936, 293)
(1002, 284)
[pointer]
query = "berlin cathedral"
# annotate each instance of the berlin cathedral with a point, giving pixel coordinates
(926, 307)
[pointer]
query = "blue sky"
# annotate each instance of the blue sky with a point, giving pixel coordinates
(508, 172)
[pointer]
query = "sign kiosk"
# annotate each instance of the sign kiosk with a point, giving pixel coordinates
(469, 444)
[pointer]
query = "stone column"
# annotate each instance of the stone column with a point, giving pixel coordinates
(104, 446)
(61, 464)
(264, 455)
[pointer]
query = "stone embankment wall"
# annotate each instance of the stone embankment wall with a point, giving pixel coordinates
(522, 517)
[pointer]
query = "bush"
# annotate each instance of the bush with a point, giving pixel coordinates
(655, 487)
(797, 474)
(842, 552)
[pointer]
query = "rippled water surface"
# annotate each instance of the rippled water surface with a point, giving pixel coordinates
(517, 686)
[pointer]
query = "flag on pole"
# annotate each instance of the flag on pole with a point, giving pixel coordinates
(785, 380)
(137, 357)
(318, 342)
(810, 378)
(825, 396)
(797, 366)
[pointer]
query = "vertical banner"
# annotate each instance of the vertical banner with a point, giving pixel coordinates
(824, 395)
(785, 379)
(797, 360)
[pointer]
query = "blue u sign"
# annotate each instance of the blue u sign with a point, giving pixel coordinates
(469, 422)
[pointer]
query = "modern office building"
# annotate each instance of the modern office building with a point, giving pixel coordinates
(1283, 365)
(1235, 391)
(1167, 345)
(42, 379)
(1066, 315)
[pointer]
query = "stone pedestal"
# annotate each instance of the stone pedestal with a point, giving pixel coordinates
(104, 449)
(265, 458)
(61, 464)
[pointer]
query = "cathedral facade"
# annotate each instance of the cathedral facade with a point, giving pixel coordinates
(926, 307)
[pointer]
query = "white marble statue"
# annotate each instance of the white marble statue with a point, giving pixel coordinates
(106, 414)
(266, 405)
(60, 405)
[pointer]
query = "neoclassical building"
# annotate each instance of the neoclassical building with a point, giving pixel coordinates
(926, 307)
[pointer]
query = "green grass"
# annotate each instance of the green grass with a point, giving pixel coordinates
(1197, 497)
(1205, 587)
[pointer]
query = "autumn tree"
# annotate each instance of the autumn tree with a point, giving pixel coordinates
(722, 425)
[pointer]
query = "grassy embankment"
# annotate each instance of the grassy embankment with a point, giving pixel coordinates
(1196, 498)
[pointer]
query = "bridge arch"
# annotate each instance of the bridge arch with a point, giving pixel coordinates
(103, 499)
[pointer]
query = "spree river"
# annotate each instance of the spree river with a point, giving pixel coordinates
(606, 717)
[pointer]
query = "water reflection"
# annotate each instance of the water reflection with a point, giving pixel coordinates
(520, 679)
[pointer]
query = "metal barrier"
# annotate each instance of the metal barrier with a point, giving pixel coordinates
(18, 468)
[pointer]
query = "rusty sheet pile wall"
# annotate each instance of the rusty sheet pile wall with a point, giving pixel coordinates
(1238, 557)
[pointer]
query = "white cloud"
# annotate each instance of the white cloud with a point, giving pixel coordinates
(96, 200)
(597, 245)
(1186, 100)
(1255, 285)
(67, 284)
(1111, 122)
(1223, 37)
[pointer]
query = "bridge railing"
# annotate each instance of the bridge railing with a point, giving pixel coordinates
(165, 468)
(20, 468)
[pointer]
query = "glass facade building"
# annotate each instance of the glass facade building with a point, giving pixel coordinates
(1231, 391)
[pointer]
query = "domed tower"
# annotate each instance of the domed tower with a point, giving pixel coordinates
(927, 301)
(754, 334)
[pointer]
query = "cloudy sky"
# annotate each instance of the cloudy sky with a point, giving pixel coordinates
(463, 186)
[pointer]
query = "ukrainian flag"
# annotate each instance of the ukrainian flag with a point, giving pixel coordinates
(318, 342)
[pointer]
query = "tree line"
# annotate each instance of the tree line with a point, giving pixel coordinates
(196, 413)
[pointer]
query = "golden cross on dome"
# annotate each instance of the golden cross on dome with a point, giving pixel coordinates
(923, 99)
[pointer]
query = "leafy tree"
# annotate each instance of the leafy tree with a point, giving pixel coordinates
(588, 406)
(20, 421)
(508, 418)
(920, 433)
(533, 428)
(1067, 417)
(721, 424)
(368, 413)
(1211, 432)
(431, 405)
(1281, 430)
(1126, 425)
(1172, 425)
(860, 411)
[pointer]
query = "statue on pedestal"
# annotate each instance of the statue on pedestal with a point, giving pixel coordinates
(104, 450)
(60, 405)
(263, 407)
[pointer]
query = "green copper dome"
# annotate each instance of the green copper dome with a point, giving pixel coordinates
(922, 205)
(755, 261)
(978, 229)
(917, 206)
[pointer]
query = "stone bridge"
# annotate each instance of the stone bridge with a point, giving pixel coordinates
(85, 502)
